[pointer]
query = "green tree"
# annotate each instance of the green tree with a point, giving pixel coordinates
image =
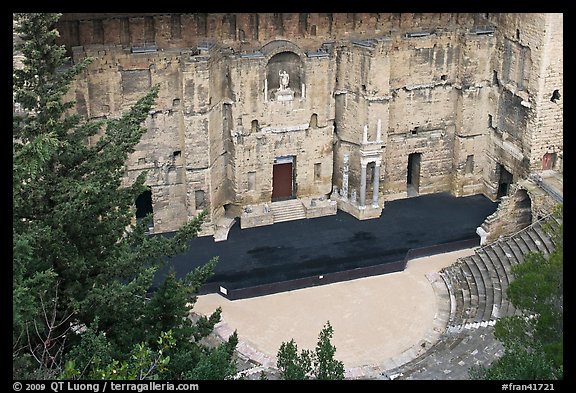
(79, 264)
(533, 341)
(325, 366)
(293, 365)
(143, 362)
(319, 364)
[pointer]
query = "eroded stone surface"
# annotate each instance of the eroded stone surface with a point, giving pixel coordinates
(463, 103)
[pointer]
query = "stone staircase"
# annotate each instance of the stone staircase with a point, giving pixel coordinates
(287, 210)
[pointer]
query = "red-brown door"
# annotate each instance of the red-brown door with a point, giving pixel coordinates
(282, 181)
(548, 160)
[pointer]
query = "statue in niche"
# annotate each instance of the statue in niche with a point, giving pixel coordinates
(284, 93)
(284, 79)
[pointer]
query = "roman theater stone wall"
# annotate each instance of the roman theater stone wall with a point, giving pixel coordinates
(424, 103)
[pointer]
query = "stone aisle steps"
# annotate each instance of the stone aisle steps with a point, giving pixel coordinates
(477, 286)
(538, 230)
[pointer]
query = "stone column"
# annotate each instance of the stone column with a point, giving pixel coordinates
(266, 90)
(363, 186)
(376, 184)
(345, 177)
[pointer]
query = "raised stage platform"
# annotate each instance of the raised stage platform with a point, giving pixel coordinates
(296, 254)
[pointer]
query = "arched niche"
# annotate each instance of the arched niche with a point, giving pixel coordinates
(284, 77)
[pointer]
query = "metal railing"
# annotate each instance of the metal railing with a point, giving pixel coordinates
(508, 237)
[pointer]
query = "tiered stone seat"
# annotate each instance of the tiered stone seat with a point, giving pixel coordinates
(528, 241)
(477, 285)
(515, 249)
(454, 357)
(456, 296)
(535, 237)
(486, 290)
(521, 244)
(472, 293)
(495, 279)
(545, 239)
(503, 266)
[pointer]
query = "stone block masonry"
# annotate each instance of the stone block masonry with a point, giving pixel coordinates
(417, 103)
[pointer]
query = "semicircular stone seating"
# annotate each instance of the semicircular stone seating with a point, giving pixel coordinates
(476, 286)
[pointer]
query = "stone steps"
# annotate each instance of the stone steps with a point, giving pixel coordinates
(454, 354)
(521, 244)
(485, 291)
(496, 281)
(287, 210)
(469, 292)
(536, 238)
(477, 287)
(545, 239)
(497, 254)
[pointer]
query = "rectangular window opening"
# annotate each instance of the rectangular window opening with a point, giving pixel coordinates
(200, 199)
(469, 167)
(251, 181)
(317, 171)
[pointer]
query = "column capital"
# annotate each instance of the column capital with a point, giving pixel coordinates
(364, 161)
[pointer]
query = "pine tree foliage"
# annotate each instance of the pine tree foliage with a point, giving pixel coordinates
(79, 263)
(325, 365)
(292, 365)
(318, 364)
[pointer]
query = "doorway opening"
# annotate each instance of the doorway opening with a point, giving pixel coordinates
(504, 181)
(548, 161)
(283, 178)
(413, 174)
(144, 207)
(522, 209)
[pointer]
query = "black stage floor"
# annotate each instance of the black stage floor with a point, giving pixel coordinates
(303, 248)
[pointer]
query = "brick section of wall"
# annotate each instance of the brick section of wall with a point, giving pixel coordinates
(246, 31)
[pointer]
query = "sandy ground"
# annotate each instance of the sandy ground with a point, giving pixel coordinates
(374, 318)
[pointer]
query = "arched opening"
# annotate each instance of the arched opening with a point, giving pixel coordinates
(522, 208)
(254, 127)
(144, 207)
(144, 204)
(314, 121)
(284, 76)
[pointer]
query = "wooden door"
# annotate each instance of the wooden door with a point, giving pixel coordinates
(282, 181)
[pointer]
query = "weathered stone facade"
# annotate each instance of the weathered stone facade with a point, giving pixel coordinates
(375, 107)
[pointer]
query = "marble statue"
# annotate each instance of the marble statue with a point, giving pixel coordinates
(284, 79)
